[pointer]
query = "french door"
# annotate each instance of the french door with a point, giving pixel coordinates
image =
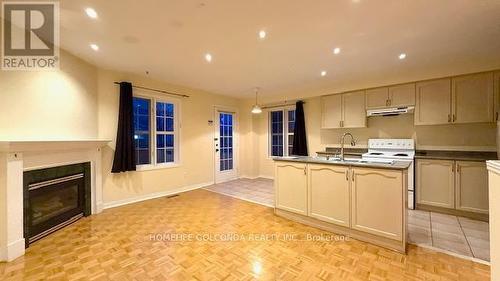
(225, 146)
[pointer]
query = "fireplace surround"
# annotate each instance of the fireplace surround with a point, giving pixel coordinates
(55, 197)
(19, 157)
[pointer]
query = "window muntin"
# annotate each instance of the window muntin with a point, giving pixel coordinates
(281, 125)
(226, 141)
(155, 131)
(165, 132)
(141, 110)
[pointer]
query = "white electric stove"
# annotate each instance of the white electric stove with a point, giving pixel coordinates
(392, 150)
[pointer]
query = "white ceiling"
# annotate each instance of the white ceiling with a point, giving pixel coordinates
(170, 38)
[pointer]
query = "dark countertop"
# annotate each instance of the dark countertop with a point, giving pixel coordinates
(347, 151)
(396, 165)
(456, 155)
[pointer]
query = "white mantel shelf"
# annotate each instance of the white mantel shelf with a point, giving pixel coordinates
(50, 145)
(493, 166)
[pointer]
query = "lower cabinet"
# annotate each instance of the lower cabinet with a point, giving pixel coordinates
(471, 187)
(378, 202)
(436, 183)
(291, 187)
(457, 185)
(362, 201)
(329, 193)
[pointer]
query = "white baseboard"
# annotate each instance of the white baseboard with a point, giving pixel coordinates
(112, 204)
(13, 250)
(256, 177)
(248, 177)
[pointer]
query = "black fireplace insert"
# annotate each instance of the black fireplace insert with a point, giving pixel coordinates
(55, 197)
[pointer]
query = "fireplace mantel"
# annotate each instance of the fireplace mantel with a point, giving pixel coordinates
(50, 145)
(16, 157)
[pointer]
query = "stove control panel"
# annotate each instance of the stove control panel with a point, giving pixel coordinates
(391, 143)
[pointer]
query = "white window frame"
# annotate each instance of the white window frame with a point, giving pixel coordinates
(286, 133)
(152, 138)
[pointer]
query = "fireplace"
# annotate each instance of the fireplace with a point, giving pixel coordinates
(53, 198)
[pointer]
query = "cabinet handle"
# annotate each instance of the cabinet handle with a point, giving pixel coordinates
(454, 118)
(496, 116)
(347, 175)
(458, 168)
(449, 118)
(305, 170)
(390, 102)
(352, 177)
(340, 124)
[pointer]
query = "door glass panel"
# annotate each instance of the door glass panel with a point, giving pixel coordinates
(226, 141)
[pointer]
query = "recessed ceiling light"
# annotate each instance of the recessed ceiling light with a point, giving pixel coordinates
(402, 56)
(336, 50)
(94, 47)
(91, 13)
(323, 73)
(262, 34)
(208, 57)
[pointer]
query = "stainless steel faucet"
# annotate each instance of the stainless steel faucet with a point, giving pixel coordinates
(353, 143)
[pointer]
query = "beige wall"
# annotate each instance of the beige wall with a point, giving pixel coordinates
(461, 136)
(196, 140)
(45, 105)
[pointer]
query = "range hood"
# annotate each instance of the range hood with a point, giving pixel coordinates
(391, 111)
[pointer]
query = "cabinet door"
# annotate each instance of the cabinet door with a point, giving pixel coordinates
(433, 102)
(377, 98)
(402, 95)
(436, 183)
(329, 193)
(331, 111)
(497, 94)
(354, 109)
(291, 187)
(378, 198)
(472, 186)
(473, 98)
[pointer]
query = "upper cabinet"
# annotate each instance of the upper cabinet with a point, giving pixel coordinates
(354, 110)
(402, 95)
(394, 96)
(457, 100)
(346, 110)
(473, 98)
(377, 98)
(331, 111)
(433, 102)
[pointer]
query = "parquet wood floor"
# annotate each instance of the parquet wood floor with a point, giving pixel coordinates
(117, 245)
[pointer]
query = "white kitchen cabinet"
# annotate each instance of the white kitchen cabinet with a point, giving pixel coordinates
(377, 205)
(291, 187)
(471, 190)
(473, 98)
(346, 110)
(329, 193)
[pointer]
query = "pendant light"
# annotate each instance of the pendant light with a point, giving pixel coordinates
(256, 108)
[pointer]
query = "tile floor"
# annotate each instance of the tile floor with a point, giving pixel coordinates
(453, 234)
(459, 235)
(258, 190)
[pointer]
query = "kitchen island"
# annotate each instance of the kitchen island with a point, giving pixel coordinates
(365, 200)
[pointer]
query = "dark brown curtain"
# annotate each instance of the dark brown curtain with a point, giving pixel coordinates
(124, 159)
(299, 133)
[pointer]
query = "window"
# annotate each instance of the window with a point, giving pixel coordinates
(282, 123)
(155, 131)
